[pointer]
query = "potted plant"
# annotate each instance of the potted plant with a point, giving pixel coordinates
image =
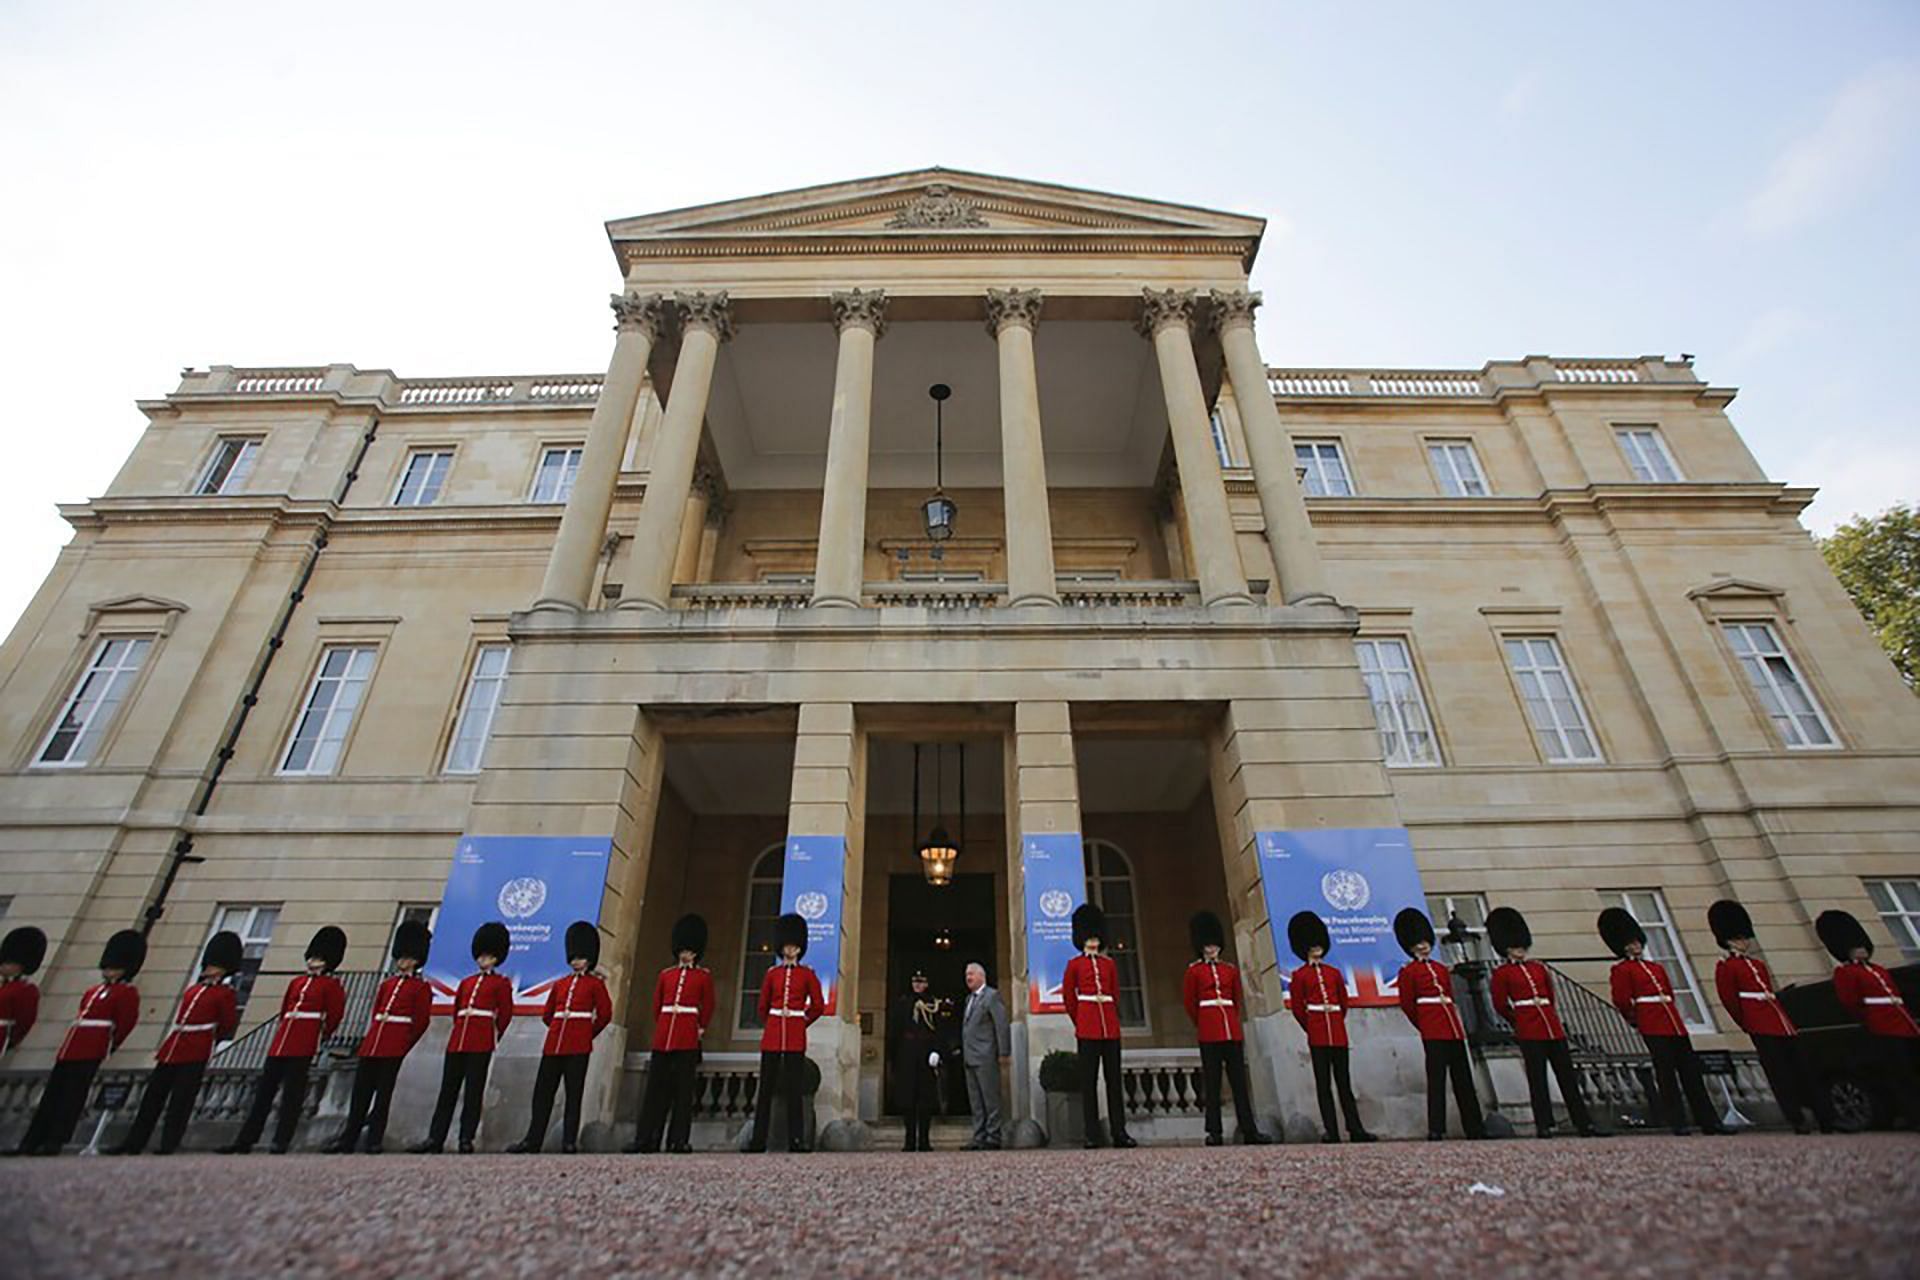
(1060, 1079)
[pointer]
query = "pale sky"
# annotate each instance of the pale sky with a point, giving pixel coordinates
(422, 187)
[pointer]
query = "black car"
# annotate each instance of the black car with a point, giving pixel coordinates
(1834, 1044)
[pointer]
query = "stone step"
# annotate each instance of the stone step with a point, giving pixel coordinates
(890, 1134)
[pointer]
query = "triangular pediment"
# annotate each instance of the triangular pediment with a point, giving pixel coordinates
(1734, 588)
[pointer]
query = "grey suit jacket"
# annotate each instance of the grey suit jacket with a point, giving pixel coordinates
(985, 1037)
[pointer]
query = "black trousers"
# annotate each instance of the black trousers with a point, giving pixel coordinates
(919, 1093)
(62, 1100)
(1330, 1070)
(1228, 1057)
(1538, 1056)
(286, 1077)
(1098, 1057)
(174, 1086)
(1893, 1063)
(554, 1069)
(670, 1075)
(1676, 1068)
(1448, 1059)
(784, 1072)
(373, 1081)
(460, 1071)
(1791, 1082)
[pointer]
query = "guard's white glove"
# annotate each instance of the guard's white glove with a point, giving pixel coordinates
(933, 1059)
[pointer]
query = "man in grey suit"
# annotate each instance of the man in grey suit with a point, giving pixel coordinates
(985, 1043)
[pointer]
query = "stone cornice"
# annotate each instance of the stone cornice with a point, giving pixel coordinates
(728, 246)
(1771, 499)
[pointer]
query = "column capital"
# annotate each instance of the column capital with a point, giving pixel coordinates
(1012, 306)
(1233, 307)
(710, 311)
(863, 309)
(646, 312)
(1162, 307)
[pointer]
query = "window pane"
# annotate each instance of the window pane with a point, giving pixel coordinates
(335, 695)
(90, 709)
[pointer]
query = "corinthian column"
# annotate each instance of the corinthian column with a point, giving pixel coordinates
(1166, 318)
(1296, 555)
(1012, 316)
(706, 322)
(583, 525)
(840, 562)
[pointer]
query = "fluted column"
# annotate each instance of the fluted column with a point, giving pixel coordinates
(638, 320)
(1012, 316)
(840, 562)
(1166, 318)
(706, 322)
(1296, 555)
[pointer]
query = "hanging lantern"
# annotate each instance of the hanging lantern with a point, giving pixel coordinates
(943, 939)
(940, 852)
(938, 856)
(939, 510)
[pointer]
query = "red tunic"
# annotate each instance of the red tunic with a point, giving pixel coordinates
(1213, 999)
(402, 1008)
(107, 1014)
(682, 1007)
(482, 1008)
(19, 1010)
(1746, 989)
(790, 1002)
(578, 1009)
(1317, 994)
(309, 1013)
(1523, 995)
(1868, 993)
(1426, 997)
(1643, 994)
(1089, 988)
(208, 1014)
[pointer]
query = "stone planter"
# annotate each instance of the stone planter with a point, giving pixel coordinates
(1065, 1124)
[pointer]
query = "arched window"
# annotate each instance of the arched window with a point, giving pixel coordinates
(763, 908)
(1110, 887)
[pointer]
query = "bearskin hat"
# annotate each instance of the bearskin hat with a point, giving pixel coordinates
(1729, 920)
(1205, 930)
(690, 934)
(25, 946)
(329, 947)
(1618, 928)
(492, 939)
(1507, 929)
(412, 940)
(1411, 927)
(126, 950)
(1842, 933)
(1089, 921)
(1307, 931)
(583, 942)
(790, 930)
(223, 952)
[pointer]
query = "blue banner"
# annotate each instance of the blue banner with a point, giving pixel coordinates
(813, 885)
(1053, 864)
(536, 886)
(1357, 880)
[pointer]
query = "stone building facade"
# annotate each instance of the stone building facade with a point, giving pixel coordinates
(1549, 615)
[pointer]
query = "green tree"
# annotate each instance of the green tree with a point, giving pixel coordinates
(1877, 559)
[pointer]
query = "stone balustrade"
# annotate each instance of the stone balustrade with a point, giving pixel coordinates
(391, 392)
(1485, 383)
(1161, 1083)
(1143, 593)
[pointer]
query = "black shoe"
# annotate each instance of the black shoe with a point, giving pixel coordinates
(1214, 1140)
(1091, 1143)
(338, 1147)
(799, 1148)
(1436, 1137)
(1361, 1136)
(234, 1149)
(756, 1151)
(1544, 1133)
(1255, 1138)
(1591, 1132)
(991, 1146)
(1125, 1142)
(1480, 1136)
(374, 1149)
(569, 1149)
(682, 1149)
(1329, 1139)
(466, 1147)
(523, 1148)
(163, 1151)
(635, 1149)
(1802, 1127)
(276, 1150)
(427, 1148)
(118, 1149)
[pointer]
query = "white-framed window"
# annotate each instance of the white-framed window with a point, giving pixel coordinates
(1776, 681)
(756, 945)
(96, 698)
(227, 470)
(1649, 907)
(485, 684)
(422, 479)
(1898, 902)
(1220, 445)
(1456, 467)
(1110, 887)
(1399, 708)
(326, 715)
(1647, 454)
(1472, 910)
(426, 913)
(1553, 705)
(1326, 465)
(559, 465)
(254, 922)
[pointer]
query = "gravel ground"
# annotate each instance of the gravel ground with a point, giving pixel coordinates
(1758, 1205)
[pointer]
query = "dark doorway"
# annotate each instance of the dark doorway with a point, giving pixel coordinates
(941, 930)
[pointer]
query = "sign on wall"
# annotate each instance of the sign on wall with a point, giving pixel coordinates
(1357, 880)
(1053, 864)
(813, 886)
(536, 886)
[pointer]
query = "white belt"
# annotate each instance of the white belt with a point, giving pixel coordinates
(1869, 1000)
(1433, 1000)
(1532, 1000)
(1653, 999)
(1216, 1004)
(393, 1017)
(1756, 995)
(306, 1013)
(473, 1013)
(574, 1013)
(107, 1022)
(193, 1028)
(1323, 1008)
(787, 1013)
(679, 1008)
(1098, 999)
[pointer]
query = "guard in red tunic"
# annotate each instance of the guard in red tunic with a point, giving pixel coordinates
(790, 1002)
(1317, 994)
(208, 1014)
(402, 1011)
(482, 1010)
(20, 955)
(1746, 989)
(1426, 997)
(1867, 991)
(1090, 988)
(107, 1016)
(1643, 994)
(682, 1008)
(578, 1010)
(1523, 995)
(310, 1011)
(1216, 1006)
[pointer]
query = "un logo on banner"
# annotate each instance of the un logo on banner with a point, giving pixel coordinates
(1345, 890)
(522, 897)
(1055, 903)
(811, 906)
